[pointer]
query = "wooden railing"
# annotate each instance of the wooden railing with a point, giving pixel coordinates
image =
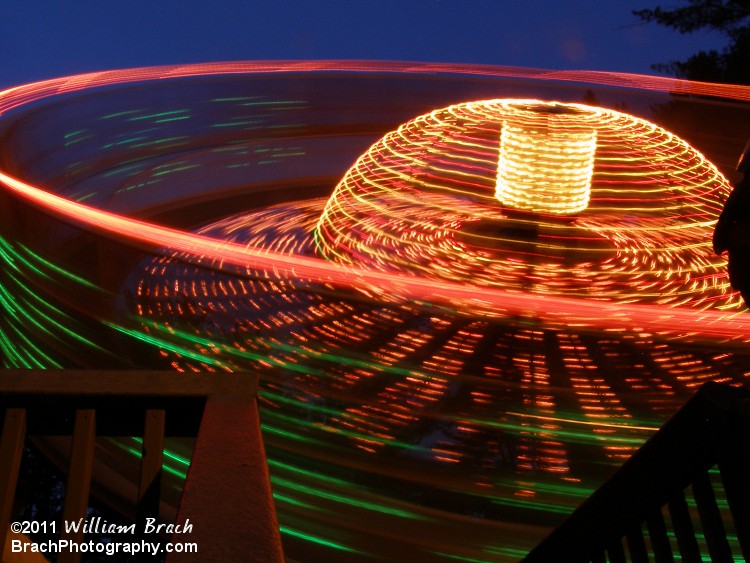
(662, 503)
(226, 496)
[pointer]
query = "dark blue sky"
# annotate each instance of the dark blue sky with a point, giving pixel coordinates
(48, 38)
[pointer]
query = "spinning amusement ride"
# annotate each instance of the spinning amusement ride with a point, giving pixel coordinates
(470, 292)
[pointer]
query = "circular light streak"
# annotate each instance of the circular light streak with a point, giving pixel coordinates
(707, 323)
(452, 366)
(636, 204)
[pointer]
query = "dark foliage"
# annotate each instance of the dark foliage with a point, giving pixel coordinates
(731, 18)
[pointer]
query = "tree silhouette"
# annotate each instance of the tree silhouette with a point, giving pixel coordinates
(730, 18)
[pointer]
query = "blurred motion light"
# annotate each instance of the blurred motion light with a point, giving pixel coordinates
(442, 378)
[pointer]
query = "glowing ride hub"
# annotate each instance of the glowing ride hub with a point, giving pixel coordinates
(546, 158)
(471, 367)
(598, 203)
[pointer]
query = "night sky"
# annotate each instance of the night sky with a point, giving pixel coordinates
(50, 38)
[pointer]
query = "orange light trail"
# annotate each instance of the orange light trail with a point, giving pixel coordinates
(28, 93)
(555, 311)
(518, 366)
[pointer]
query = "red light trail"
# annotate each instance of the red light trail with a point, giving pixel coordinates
(513, 353)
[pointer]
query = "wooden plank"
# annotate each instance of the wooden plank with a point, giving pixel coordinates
(79, 479)
(657, 532)
(229, 445)
(615, 552)
(710, 516)
(684, 530)
(227, 494)
(124, 383)
(637, 545)
(734, 465)
(11, 448)
(152, 457)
